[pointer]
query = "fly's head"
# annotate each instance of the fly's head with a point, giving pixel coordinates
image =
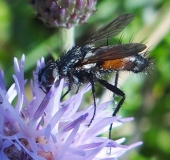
(48, 75)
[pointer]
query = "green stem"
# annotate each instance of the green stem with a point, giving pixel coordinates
(67, 38)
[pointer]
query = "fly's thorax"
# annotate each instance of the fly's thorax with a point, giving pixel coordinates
(88, 51)
(73, 59)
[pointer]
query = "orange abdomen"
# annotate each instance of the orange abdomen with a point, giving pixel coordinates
(116, 64)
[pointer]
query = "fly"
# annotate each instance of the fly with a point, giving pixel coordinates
(90, 63)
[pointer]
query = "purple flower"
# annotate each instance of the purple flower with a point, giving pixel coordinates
(63, 13)
(45, 128)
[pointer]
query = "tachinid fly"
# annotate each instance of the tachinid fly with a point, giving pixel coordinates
(89, 63)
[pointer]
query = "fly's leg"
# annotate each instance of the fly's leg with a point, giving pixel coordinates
(114, 97)
(70, 82)
(69, 89)
(94, 100)
(116, 91)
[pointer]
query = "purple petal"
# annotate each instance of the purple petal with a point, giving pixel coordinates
(2, 84)
(70, 139)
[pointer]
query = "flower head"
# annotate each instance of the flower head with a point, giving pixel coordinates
(45, 128)
(63, 13)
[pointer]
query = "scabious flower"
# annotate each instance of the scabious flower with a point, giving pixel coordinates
(47, 129)
(63, 13)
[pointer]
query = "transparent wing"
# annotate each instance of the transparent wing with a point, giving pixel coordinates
(114, 52)
(112, 29)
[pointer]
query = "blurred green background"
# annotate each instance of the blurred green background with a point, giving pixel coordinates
(147, 96)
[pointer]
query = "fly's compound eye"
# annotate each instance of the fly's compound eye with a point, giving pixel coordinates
(47, 76)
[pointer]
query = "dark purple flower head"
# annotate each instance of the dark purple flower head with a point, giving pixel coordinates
(47, 129)
(63, 13)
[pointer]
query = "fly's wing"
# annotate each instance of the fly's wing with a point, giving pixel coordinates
(112, 29)
(114, 52)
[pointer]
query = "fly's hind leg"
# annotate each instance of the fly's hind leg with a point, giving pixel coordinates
(117, 91)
